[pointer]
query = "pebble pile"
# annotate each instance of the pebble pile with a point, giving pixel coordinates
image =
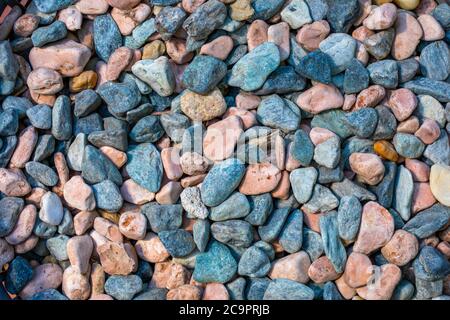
(232, 149)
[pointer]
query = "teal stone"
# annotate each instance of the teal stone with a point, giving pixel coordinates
(285, 289)
(342, 14)
(272, 228)
(50, 6)
(403, 291)
(430, 264)
(363, 122)
(267, 248)
(163, 217)
(40, 116)
(428, 221)
(265, 9)
(205, 19)
(178, 243)
(256, 287)
(123, 287)
(96, 167)
(386, 125)
(316, 66)
(341, 48)
(328, 153)
(302, 183)
(236, 233)
(42, 173)
(57, 247)
(347, 187)
(322, 200)
(384, 73)
(332, 120)
(252, 70)
(215, 265)
(439, 90)
(221, 181)
(356, 77)
(18, 275)
(107, 36)
(174, 125)
(283, 80)
(349, 217)
(44, 35)
(260, 208)
(435, 61)
(203, 74)
(116, 139)
(403, 192)
(9, 122)
(236, 289)
(331, 292)
(312, 243)
(201, 231)
(120, 97)
(254, 263)
(147, 129)
(385, 189)
(144, 166)
(291, 236)
(235, 207)
(439, 151)
(302, 148)
(333, 247)
(48, 294)
(62, 118)
(276, 112)
(107, 196)
(408, 145)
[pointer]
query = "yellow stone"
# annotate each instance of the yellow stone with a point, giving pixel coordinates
(440, 183)
(157, 9)
(111, 216)
(407, 4)
(86, 80)
(241, 10)
(378, 2)
(385, 150)
(50, 259)
(154, 50)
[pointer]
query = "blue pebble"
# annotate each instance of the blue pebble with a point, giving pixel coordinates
(144, 166)
(203, 74)
(333, 247)
(18, 275)
(272, 228)
(163, 217)
(278, 113)
(107, 36)
(291, 236)
(107, 196)
(44, 35)
(215, 265)
(179, 243)
(260, 208)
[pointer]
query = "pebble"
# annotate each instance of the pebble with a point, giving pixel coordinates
(285, 289)
(341, 48)
(377, 228)
(294, 267)
(408, 33)
(123, 287)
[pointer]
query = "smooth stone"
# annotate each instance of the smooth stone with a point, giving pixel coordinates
(203, 74)
(215, 265)
(42, 173)
(377, 228)
(147, 129)
(407, 69)
(253, 263)
(385, 189)
(316, 66)
(439, 151)
(179, 243)
(439, 179)
(349, 217)
(156, 73)
(96, 167)
(341, 48)
(435, 61)
(291, 236)
(379, 45)
(302, 149)
(272, 107)
(408, 34)
(201, 231)
(402, 248)
(322, 200)
(221, 181)
(342, 14)
(249, 75)
(107, 196)
(51, 209)
(144, 166)
(9, 214)
(403, 193)
(120, 97)
(205, 19)
(40, 116)
(18, 275)
(274, 224)
(384, 73)
(408, 146)
(332, 245)
(107, 37)
(236, 206)
(428, 221)
(285, 289)
(236, 233)
(260, 208)
(439, 90)
(302, 182)
(123, 287)
(328, 153)
(163, 217)
(430, 265)
(203, 107)
(333, 121)
(51, 33)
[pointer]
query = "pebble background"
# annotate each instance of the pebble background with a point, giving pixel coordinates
(233, 149)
